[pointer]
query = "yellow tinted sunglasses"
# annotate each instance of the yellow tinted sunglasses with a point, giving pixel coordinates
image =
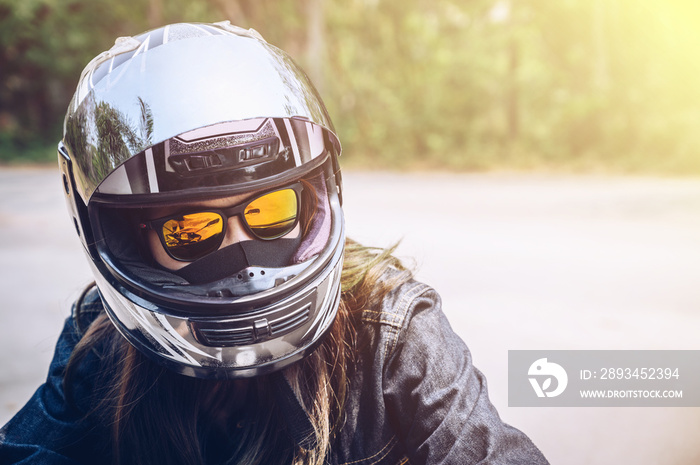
(192, 235)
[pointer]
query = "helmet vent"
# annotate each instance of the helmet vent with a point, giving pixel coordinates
(221, 336)
(225, 158)
(292, 321)
(229, 333)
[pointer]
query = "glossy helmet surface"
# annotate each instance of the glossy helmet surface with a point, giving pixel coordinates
(188, 113)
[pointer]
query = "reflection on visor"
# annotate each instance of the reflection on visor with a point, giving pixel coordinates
(191, 236)
(272, 215)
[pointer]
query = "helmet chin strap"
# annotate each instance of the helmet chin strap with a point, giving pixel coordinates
(236, 257)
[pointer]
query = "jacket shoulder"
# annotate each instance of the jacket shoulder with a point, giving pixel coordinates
(397, 308)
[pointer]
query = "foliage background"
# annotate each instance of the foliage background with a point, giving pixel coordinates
(585, 85)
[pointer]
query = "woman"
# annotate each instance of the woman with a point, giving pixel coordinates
(231, 321)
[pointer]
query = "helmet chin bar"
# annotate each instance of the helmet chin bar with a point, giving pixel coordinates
(239, 345)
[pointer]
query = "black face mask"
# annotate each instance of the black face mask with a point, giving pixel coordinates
(239, 256)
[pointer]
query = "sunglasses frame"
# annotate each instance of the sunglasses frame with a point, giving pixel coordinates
(225, 213)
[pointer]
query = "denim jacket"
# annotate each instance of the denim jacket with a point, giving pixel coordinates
(415, 397)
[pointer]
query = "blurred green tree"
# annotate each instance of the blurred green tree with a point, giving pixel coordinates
(578, 84)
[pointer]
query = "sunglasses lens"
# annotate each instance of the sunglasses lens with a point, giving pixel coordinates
(273, 215)
(189, 237)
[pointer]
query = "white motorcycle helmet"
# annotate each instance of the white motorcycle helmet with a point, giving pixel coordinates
(163, 123)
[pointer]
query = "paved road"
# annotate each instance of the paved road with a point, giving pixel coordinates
(522, 262)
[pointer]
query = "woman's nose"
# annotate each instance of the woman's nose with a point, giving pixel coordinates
(235, 232)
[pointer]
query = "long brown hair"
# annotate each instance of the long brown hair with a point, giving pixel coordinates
(157, 416)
